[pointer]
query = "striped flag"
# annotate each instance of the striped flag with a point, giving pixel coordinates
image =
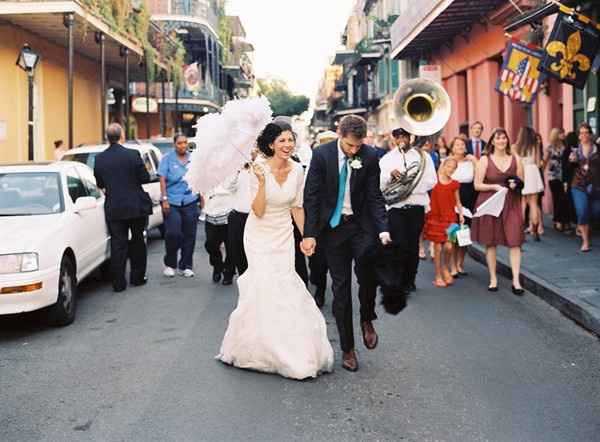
(519, 77)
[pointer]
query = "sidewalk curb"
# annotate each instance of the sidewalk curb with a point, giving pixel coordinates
(568, 304)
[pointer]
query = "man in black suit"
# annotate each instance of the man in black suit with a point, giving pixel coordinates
(475, 145)
(121, 172)
(346, 211)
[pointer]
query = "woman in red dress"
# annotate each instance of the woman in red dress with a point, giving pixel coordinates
(493, 172)
(445, 198)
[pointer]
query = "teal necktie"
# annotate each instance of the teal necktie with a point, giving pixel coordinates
(337, 213)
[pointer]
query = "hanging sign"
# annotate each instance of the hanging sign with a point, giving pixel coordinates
(519, 77)
(431, 72)
(191, 74)
(138, 105)
(571, 48)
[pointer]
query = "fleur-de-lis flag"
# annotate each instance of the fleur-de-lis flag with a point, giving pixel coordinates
(570, 50)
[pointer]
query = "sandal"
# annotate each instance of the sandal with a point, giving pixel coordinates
(448, 279)
(439, 283)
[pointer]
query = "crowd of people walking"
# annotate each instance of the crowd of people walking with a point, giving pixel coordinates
(320, 211)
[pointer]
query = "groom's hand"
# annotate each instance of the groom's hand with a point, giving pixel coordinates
(385, 238)
(308, 246)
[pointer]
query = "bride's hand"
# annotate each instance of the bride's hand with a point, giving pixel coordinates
(259, 172)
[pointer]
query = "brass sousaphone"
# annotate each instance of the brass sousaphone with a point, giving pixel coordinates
(423, 108)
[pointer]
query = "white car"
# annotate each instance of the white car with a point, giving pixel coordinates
(52, 235)
(151, 156)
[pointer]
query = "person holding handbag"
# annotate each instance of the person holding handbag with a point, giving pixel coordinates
(492, 175)
(584, 162)
(445, 198)
(465, 175)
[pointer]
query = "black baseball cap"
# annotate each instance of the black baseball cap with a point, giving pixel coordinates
(399, 132)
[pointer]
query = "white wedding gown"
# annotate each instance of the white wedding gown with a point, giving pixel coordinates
(276, 327)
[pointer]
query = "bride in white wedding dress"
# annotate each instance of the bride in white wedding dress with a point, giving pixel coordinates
(276, 327)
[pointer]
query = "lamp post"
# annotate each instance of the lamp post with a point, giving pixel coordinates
(28, 61)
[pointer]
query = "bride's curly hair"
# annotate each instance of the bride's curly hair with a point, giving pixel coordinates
(269, 135)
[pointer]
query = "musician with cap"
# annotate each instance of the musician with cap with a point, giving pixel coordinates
(407, 175)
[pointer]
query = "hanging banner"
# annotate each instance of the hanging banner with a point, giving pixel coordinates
(431, 71)
(519, 77)
(571, 48)
(191, 74)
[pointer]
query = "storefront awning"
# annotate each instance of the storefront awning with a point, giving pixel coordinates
(45, 18)
(434, 23)
(342, 57)
(356, 110)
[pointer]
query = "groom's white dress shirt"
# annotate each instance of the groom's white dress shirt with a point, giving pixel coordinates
(342, 159)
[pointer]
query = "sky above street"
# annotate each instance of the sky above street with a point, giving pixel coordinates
(293, 39)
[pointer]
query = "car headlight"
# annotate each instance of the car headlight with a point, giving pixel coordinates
(19, 262)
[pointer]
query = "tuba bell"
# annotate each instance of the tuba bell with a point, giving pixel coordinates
(423, 108)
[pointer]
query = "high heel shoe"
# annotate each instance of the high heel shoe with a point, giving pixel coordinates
(518, 291)
(493, 288)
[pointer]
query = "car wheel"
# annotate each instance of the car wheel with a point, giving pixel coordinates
(63, 312)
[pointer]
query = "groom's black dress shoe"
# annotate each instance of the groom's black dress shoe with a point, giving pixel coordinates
(320, 297)
(350, 361)
(216, 275)
(370, 338)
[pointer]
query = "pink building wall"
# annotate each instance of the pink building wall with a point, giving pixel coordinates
(470, 72)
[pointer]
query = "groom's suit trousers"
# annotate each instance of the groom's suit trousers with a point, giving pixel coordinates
(342, 245)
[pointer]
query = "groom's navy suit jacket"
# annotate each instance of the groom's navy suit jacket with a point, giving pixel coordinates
(321, 191)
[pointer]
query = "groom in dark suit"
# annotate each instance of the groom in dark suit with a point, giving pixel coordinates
(346, 212)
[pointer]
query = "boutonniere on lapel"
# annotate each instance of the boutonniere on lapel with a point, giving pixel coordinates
(355, 163)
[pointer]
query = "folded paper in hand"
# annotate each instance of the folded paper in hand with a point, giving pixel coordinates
(466, 212)
(493, 206)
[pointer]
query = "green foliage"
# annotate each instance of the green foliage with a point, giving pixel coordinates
(225, 35)
(283, 102)
(134, 25)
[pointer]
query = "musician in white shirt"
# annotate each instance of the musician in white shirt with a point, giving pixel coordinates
(407, 217)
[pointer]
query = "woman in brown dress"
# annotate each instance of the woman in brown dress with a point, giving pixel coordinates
(491, 175)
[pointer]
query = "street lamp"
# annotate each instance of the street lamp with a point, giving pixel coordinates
(27, 61)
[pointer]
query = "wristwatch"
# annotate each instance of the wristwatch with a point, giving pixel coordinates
(164, 198)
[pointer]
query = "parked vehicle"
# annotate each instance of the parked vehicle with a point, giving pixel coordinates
(165, 145)
(52, 235)
(151, 156)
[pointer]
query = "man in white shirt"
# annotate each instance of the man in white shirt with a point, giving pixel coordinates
(218, 203)
(406, 217)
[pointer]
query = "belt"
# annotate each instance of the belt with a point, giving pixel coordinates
(409, 206)
(185, 205)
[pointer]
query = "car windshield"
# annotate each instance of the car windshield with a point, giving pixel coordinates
(30, 193)
(85, 158)
(164, 146)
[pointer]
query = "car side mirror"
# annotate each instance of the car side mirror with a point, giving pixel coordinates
(84, 203)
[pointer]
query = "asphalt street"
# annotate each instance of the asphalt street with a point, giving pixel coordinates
(459, 364)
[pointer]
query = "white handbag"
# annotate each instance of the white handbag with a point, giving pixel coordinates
(463, 236)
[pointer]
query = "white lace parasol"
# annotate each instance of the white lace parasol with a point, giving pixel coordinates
(224, 141)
